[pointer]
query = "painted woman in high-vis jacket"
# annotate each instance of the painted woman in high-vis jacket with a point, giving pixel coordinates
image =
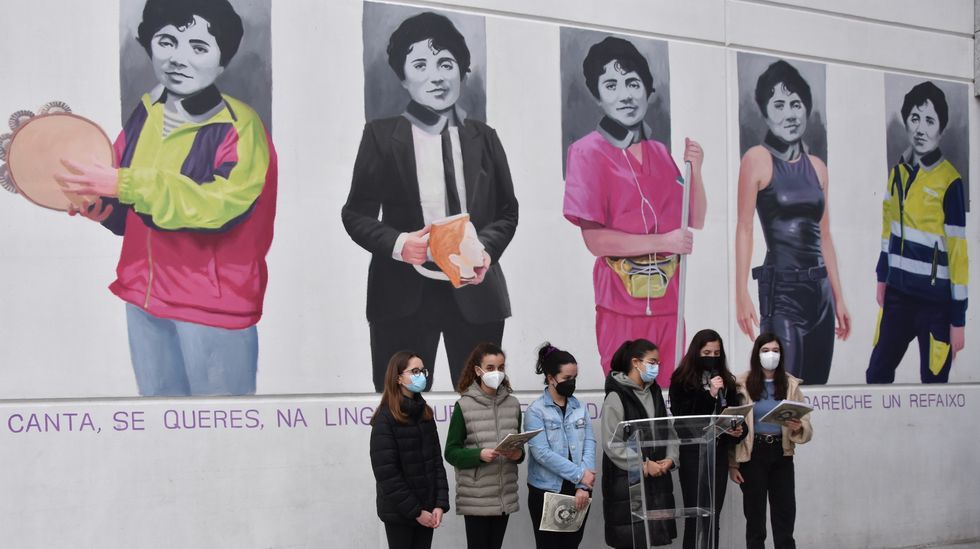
(486, 480)
(922, 269)
(194, 198)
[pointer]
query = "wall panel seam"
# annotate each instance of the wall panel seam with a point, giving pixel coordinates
(854, 17)
(856, 64)
(435, 4)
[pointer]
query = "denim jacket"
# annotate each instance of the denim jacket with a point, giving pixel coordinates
(549, 451)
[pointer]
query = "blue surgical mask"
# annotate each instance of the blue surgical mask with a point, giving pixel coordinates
(418, 383)
(649, 373)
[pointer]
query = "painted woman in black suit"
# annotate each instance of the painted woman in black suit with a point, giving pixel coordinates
(429, 163)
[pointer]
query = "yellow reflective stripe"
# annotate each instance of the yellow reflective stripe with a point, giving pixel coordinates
(959, 267)
(878, 326)
(938, 351)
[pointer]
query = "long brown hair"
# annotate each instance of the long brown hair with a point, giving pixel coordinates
(688, 372)
(755, 383)
(468, 375)
(392, 395)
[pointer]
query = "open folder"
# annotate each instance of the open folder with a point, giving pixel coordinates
(514, 441)
(787, 409)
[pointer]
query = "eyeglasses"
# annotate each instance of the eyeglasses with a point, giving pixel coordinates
(417, 371)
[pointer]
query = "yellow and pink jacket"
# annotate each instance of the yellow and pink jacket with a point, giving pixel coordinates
(195, 209)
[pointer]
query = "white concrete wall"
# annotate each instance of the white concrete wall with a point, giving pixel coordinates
(872, 476)
(895, 477)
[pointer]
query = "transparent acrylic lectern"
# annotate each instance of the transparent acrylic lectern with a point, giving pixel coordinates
(653, 439)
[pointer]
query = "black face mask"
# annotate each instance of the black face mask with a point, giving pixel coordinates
(566, 388)
(710, 364)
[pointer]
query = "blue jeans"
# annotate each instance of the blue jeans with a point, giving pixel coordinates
(176, 358)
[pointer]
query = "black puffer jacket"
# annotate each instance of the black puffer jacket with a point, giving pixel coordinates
(407, 463)
(697, 401)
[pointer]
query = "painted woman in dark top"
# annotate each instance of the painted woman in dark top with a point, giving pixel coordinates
(799, 286)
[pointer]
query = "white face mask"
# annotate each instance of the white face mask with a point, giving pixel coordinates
(493, 379)
(769, 359)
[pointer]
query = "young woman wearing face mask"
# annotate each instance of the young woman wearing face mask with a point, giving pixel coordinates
(486, 480)
(762, 464)
(632, 393)
(703, 385)
(413, 492)
(562, 458)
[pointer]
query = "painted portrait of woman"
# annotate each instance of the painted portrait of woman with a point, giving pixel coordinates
(786, 183)
(624, 192)
(428, 161)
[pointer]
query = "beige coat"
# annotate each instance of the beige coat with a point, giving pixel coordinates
(743, 450)
(489, 489)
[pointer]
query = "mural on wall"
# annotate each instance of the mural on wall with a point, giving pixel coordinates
(193, 195)
(783, 177)
(426, 161)
(31, 158)
(623, 189)
(922, 271)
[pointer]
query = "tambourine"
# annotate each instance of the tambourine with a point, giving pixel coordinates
(35, 151)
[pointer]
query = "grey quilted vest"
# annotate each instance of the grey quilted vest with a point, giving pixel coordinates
(488, 489)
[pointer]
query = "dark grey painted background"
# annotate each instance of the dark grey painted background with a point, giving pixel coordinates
(752, 126)
(955, 142)
(383, 92)
(247, 77)
(579, 111)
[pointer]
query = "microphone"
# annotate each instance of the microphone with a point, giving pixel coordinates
(722, 400)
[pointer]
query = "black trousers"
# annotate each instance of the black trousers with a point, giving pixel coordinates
(408, 536)
(904, 318)
(802, 315)
(485, 532)
(551, 540)
(419, 333)
(691, 481)
(769, 474)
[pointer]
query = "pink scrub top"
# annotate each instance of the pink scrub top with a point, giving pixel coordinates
(599, 187)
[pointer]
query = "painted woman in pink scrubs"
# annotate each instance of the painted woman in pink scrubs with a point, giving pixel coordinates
(622, 191)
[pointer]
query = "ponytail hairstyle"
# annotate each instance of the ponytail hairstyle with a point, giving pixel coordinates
(392, 396)
(688, 372)
(468, 375)
(622, 360)
(551, 359)
(755, 383)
